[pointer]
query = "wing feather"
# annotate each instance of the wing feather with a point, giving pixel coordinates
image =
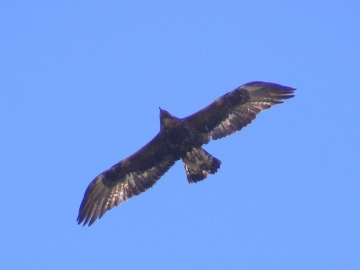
(125, 179)
(236, 109)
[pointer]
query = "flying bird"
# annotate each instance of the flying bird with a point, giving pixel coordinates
(179, 138)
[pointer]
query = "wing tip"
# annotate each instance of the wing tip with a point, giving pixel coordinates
(79, 221)
(91, 206)
(87, 219)
(286, 89)
(274, 91)
(83, 218)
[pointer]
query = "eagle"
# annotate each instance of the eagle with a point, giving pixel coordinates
(179, 138)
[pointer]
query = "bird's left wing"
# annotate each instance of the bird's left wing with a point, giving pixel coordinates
(236, 109)
(125, 179)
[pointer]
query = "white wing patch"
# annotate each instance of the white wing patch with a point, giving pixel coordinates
(239, 117)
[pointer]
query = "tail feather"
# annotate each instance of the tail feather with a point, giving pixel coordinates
(198, 163)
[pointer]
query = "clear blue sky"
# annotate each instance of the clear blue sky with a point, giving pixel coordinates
(81, 83)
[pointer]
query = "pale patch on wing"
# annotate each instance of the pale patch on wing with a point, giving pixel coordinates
(240, 117)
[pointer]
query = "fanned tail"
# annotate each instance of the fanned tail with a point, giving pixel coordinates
(198, 163)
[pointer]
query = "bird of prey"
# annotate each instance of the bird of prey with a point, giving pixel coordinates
(179, 138)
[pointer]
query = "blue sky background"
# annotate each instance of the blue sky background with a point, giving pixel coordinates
(81, 83)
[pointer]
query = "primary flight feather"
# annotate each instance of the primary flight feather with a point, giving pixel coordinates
(179, 138)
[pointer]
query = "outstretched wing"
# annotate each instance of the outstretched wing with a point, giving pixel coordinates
(125, 179)
(236, 109)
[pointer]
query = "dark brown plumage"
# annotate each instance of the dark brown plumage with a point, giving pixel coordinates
(179, 138)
